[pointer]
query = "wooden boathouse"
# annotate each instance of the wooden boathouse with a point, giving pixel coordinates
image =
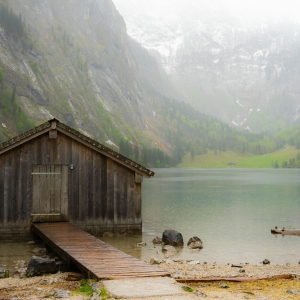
(54, 173)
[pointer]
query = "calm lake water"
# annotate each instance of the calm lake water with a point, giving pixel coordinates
(231, 210)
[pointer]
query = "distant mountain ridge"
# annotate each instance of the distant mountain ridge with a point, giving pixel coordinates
(245, 73)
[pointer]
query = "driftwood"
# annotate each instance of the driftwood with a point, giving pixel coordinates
(286, 231)
(237, 279)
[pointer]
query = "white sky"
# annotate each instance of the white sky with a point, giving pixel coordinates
(268, 8)
(243, 8)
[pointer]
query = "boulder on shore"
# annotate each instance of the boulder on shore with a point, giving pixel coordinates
(172, 237)
(38, 266)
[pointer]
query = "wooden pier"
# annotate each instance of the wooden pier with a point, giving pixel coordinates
(91, 255)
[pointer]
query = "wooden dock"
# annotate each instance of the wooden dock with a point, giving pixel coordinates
(91, 255)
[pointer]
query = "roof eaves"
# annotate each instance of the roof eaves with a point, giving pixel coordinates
(105, 150)
(23, 137)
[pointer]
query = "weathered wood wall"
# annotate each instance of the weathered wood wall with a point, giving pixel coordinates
(103, 194)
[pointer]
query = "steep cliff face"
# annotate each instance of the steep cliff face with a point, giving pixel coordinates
(76, 65)
(244, 72)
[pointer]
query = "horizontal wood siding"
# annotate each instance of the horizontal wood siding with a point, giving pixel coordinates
(102, 193)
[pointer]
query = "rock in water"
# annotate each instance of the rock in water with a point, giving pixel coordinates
(157, 240)
(195, 243)
(194, 239)
(172, 237)
(169, 249)
(266, 262)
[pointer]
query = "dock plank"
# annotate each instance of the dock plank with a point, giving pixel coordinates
(91, 255)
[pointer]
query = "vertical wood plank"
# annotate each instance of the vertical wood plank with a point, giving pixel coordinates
(137, 195)
(35, 190)
(56, 186)
(64, 202)
(110, 192)
(116, 193)
(97, 163)
(75, 182)
(123, 200)
(22, 187)
(82, 184)
(2, 178)
(89, 187)
(103, 194)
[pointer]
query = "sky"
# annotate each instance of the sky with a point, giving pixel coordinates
(253, 9)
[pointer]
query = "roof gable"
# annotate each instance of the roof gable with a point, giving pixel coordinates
(54, 124)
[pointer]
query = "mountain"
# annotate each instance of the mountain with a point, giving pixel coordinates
(243, 71)
(74, 60)
(71, 60)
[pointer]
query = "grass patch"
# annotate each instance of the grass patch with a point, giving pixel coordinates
(85, 288)
(187, 289)
(233, 160)
(103, 293)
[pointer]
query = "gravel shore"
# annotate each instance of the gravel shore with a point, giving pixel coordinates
(44, 287)
(196, 269)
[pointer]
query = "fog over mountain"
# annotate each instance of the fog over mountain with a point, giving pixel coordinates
(237, 60)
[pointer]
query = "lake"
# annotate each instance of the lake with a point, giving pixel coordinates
(231, 210)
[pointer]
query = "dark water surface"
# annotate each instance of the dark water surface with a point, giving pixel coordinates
(231, 210)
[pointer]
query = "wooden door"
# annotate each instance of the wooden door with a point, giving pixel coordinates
(49, 193)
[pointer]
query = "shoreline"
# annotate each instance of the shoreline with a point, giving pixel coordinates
(45, 286)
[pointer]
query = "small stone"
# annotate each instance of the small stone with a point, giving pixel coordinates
(62, 294)
(154, 261)
(200, 294)
(169, 249)
(224, 286)
(96, 297)
(194, 239)
(157, 240)
(51, 281)
(194, 262)
(4, 272)
(74, 277)
(95, 287)
(242, 271)
(266, 262)
(31, 243)
(195, 245)
(141, 244)
(294, 292)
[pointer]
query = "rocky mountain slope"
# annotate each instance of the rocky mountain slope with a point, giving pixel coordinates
(74, 63)
(243, 71)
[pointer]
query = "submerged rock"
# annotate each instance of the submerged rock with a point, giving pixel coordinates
(170, 250)
(157, 240)
(172, 237)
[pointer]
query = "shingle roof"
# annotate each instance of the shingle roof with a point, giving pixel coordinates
(47, 126)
